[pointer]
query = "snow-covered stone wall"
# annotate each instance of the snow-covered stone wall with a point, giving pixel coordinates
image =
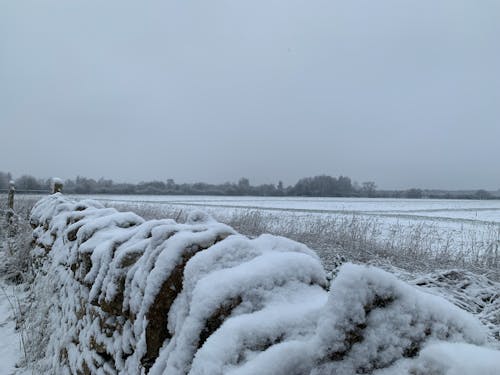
(120, 295)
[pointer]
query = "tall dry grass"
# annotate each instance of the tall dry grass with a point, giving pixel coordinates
(15, 238)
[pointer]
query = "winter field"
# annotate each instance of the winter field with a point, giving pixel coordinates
(446, 247)
(424, 234)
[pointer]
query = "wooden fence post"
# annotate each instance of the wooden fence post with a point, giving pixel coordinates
(12, 191)
(10, 211)
(57, 185)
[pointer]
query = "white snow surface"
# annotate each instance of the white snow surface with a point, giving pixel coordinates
(417, 209)
(457, 359)
(244, 306)
(11, 299)
(10, 341)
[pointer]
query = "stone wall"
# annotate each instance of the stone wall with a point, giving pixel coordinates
(129, 296)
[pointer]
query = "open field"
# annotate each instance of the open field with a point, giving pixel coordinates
(458, 212)
(462, 210)
(410, 233)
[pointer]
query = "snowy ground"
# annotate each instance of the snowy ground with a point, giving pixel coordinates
(10, 352)
(438, 208)
(10, 338)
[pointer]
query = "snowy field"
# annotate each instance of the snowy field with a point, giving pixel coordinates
(477, 211)
(445, 213)
(453, 232)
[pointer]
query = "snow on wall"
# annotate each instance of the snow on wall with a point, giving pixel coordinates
(128, 296)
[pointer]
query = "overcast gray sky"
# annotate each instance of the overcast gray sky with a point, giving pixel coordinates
(405, 93)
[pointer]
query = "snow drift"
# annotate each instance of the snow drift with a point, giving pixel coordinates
(119, 295)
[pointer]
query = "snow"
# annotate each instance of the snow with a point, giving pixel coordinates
(10, 342)
(370, 320)
(265, 279)
(11, 349)
(109, 283)
(338, 205)
(289, 318)
(457, 359)
(374, 320)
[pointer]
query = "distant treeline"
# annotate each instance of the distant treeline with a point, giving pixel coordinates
(318, 186)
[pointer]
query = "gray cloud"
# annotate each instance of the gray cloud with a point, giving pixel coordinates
(405, 93)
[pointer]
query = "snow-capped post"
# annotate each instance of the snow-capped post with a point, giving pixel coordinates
(57, 185)
(12, 191)
(10, 211)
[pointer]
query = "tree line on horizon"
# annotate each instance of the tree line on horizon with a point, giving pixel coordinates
(317, 186)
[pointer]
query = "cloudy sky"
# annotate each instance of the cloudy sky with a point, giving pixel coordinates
(402, 92)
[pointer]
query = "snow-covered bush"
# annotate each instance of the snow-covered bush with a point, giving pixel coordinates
(15, 238)
(115, 294)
